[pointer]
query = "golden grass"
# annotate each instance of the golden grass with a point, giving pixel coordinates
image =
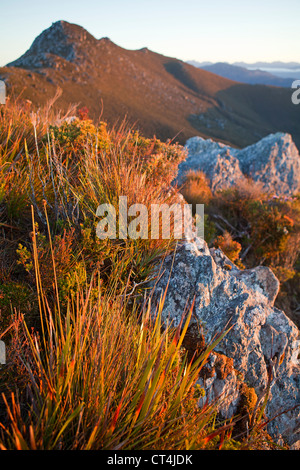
(89, 365)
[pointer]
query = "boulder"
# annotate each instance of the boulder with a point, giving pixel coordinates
(262, 346)
(215, 159)
(273, 162)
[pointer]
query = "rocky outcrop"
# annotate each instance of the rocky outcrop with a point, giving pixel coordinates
(262, 346)
(62, 40)
(274, 162)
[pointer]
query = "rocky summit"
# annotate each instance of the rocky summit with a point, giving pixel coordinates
(260, 352)
(273, 161)
(62, 40)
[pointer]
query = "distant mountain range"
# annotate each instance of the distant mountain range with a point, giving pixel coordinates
(241, 73)
(160, 95)
(259, 65)
(271, 65)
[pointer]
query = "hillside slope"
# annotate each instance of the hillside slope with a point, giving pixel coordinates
(160, 95)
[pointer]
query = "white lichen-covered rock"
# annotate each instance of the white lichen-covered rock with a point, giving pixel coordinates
(274, 162)
(263, 343)
(214, 159)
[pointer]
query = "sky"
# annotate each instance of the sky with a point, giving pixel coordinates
(210, 30)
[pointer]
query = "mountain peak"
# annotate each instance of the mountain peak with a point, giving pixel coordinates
(72, 32)
(62, 39)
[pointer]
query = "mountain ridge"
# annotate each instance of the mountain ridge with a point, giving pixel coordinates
(161, 95)
(65, 40)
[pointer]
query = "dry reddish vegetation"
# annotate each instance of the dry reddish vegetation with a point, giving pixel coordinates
(253, 228)
(87, 368)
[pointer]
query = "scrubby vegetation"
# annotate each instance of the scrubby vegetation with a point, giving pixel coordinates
(87, 366)
(253, 228)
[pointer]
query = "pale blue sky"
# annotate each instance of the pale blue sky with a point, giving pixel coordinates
(212, 30)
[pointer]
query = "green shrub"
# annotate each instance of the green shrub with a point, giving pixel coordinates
(14, 297)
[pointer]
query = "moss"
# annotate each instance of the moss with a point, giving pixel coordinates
(194, 342)
(199, 392)
(248, 399)
(223, 366)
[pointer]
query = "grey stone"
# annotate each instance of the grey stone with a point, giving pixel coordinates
(273, 162)
(263, 343)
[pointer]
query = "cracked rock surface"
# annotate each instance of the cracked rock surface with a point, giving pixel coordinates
(262, 345)
(273, 162)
